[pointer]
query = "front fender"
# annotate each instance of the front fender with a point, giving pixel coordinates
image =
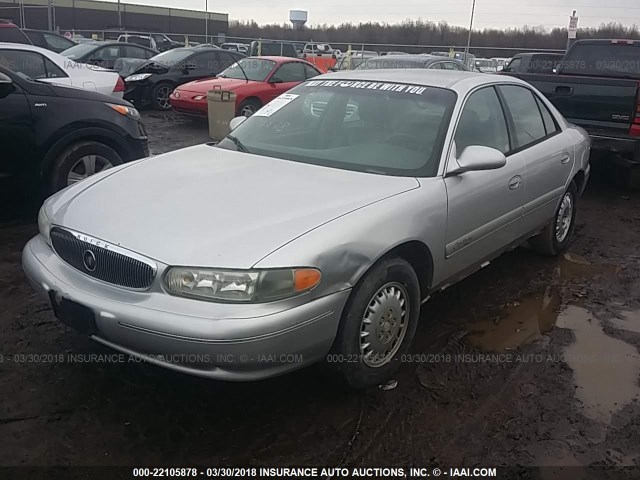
(347, 247)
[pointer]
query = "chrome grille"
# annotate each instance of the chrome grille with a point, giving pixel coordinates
(109, 266)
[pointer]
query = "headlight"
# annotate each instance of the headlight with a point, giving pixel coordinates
(44, 226)
(126, 111)
(242, 286)
(138, 77)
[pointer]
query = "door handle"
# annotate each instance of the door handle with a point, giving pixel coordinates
(515, 182)
(565, 159)
(563, 90)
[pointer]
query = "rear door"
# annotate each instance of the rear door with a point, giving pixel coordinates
(484, 207)
(549, 154)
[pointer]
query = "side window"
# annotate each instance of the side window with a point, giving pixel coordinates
(53, 71)
(134, 52)
(29, 64)
(310, 72)
(56, 42)
(448, 66)
(290, 72)
(550, 124)
(203, 62)
(225, 60)
(107, 53)
(527, 120)
(482, 123)
(458, 67)
(514, 65)
(435, 66)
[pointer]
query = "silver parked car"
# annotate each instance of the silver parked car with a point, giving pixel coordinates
(318, 227)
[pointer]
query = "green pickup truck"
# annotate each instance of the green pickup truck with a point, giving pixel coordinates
(596, 86)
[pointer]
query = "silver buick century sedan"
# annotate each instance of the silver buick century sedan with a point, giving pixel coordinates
(316, 229)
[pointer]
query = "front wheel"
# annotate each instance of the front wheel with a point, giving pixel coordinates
(81, 160)
(248, 108)
(378, 324)
(556, 236)
(160, 96)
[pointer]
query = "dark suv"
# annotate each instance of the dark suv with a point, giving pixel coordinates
(10, 33)
(52, 136)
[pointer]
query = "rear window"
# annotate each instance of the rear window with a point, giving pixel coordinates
(13, 35)
(273, 49)
(386, 62)
(543, 63)
(603, 60)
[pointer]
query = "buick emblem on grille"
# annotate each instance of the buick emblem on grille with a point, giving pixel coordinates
(89, 260)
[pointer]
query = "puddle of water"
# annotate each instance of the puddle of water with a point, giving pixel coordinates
(523, 322)
(605, 369)
(630, 321)
(576, 266)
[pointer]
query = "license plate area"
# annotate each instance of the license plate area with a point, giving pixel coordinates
(72, 314)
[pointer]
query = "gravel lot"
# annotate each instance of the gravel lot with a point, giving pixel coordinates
(532, 361)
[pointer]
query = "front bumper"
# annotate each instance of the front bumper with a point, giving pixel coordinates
(140, 324)
(185, 104)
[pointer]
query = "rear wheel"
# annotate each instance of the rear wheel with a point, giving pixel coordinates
(378, 324)
(160, 96)
(79, 161)
(249, 107)
(556, 236)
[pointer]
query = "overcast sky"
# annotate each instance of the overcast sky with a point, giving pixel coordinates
(489, 13)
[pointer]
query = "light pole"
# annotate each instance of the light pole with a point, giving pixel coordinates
(206, 22)
(466, 52)
(119, 17)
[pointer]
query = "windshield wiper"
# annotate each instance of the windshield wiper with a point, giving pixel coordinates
(239, 146)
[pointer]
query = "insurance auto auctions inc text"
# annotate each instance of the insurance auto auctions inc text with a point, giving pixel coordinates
(373, 472)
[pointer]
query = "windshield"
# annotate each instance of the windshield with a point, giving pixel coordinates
(172, 57)
(603, 60)
(79, 51)
(484, 63)
(383, 128)
(256, 69)
(387, 62)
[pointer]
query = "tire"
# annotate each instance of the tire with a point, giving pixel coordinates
(249, 107)
(552, 242)
(79, 161)
(160, 96)
(364, 314)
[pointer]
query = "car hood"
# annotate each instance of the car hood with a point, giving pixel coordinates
(127, 66)
(206, 206)
(203, 86)
(150, 66)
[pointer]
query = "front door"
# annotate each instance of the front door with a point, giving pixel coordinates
(484, 207)
(17, 141)
(285, 77)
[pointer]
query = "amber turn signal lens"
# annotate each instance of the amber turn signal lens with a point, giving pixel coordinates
(305, 279)
(121, 109)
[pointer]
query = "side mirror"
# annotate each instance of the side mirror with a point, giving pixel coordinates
(6, 85)
(475, 158)
(236, 122)
(275, 80)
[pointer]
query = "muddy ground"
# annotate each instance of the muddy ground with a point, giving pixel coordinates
(532, 361)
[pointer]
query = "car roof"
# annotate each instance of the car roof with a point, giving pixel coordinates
(451, 79)
(277, 59)
(25, 46)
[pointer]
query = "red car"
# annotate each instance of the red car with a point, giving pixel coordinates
(255, 80)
